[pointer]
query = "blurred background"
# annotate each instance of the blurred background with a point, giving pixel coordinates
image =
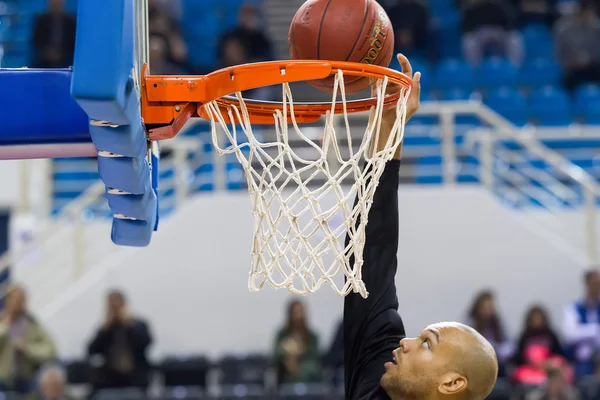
(499, 215)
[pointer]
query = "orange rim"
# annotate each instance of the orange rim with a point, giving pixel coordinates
(169, 101)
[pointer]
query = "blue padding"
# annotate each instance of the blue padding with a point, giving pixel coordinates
(36, 108)
(125, 173)
(127, 232)
(133, 205)
(104, 60)
(126, 140)
(103, 87)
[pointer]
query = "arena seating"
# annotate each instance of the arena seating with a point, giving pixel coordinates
(529, 94)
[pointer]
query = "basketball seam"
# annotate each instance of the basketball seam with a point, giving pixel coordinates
(361, 30)
(321, 29)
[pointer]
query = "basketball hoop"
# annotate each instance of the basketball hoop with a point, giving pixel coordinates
(297, 245)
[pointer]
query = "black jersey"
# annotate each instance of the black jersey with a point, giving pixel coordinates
(372, 327)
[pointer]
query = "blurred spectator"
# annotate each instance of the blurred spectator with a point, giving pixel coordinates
(250, 35)
(54, 37)
(577, 49)
(53, 380)
(537, 359)
(555, 388)
(297, 349)
(484, 318)
(234, 53)
(161, 23)
(335, 355)
(581, 325)
(536, 12)
(537, 331)
(589, 386)
(159, 61)
(121, 343)
(24, 343)
(410, 18)
(489, 28)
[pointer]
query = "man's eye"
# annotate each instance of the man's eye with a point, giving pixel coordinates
(425, 344)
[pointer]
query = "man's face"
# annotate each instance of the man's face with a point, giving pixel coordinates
(593, 284)
(15, 301)
(419, 363)
(52, 386)
(115, 303)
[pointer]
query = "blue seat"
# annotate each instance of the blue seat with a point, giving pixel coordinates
(587, 103)
(457, 94)
(539, 72)
(447, 41)
(454, 73)
(509, 103)
(550, 106)
(495, 72)
(538, 42)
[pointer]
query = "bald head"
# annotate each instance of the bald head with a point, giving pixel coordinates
(474, 358)
(447, 360)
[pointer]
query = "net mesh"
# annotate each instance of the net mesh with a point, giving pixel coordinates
(301, 209)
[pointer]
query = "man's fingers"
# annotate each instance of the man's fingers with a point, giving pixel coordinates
(405, 64)
(417, 84)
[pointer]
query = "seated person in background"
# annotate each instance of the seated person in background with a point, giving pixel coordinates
(555, 388)
(159, 49)
(581, 326)
(121, 343)
(161, 23)
(24, 343)
(53, 380)
(410, 18)
(577, 49)
(537, 331)
(489, 26)
(250, 34)
(590, 385)
(54, 37)
(484, 318)
(297, 349)
(535, 12)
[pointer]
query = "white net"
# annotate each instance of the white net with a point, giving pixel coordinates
(301, 210)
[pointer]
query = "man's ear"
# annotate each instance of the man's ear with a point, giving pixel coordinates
(452, 384)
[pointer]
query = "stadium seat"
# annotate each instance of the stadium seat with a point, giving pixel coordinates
(120, 394)
(303, 391)
(587, 103)
(452, 74)
(183, 392)
(77, 372)
(550, 107)
(188, 371)
(538, 42)
(509, 103)
(539, 72)
(243, 369)
(236, 392)
(495, 72)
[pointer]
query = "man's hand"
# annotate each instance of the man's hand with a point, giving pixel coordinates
(412, 105)
(19, 346)
(414, 100)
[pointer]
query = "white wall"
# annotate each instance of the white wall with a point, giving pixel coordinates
(9, 182)
(191, 282)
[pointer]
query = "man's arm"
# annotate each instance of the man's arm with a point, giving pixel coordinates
(372, 326)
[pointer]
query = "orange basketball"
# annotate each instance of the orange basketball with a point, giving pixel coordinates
(342, 30)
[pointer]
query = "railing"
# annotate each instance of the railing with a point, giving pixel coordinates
(559, 200)
(560, 197)
(74, 243)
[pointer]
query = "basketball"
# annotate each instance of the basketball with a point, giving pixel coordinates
(342, 30)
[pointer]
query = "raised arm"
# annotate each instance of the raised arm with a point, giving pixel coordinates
(372, 326)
